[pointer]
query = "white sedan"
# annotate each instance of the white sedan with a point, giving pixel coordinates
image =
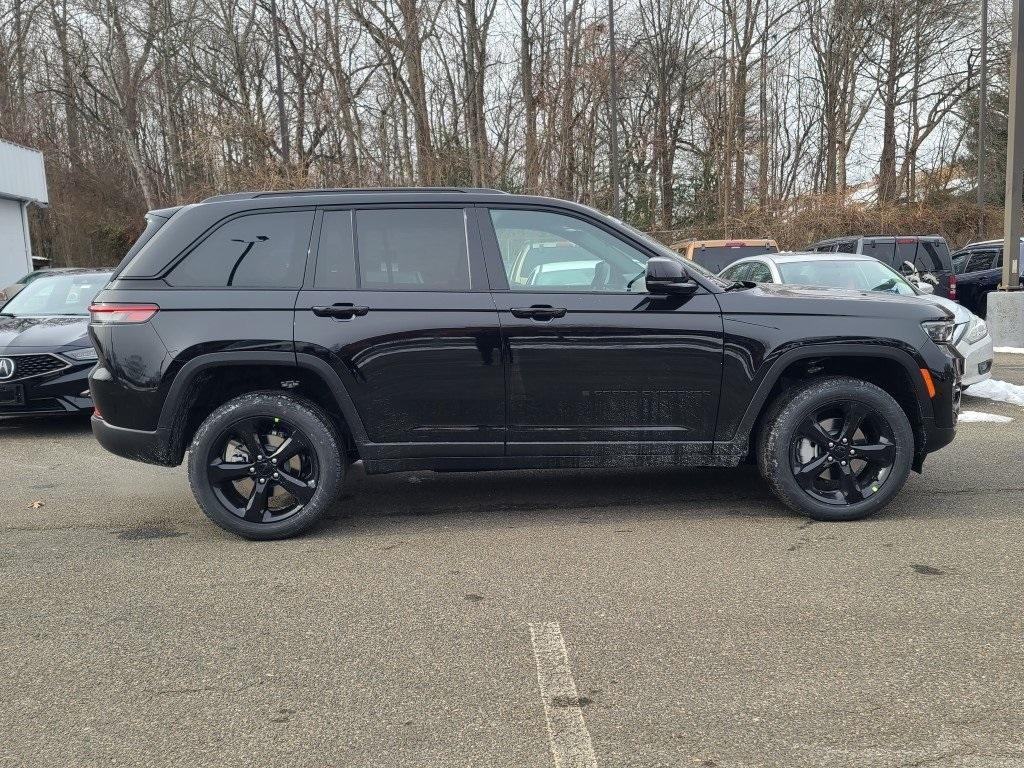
(864, 273)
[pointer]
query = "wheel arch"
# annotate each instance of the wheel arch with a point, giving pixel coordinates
(209, 380)
(891, 368)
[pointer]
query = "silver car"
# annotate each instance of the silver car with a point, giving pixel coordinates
(864, 273)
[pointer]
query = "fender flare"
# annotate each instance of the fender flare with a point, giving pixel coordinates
(775, 369)
(186, 375)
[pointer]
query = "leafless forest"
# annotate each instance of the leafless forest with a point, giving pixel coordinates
(792, 118)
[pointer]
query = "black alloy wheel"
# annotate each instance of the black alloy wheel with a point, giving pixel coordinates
(262, 469)
(842, 453)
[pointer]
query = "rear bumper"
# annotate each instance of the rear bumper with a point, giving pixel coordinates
(135, 444)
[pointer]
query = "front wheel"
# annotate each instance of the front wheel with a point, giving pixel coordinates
(837, 448)
(265, 465)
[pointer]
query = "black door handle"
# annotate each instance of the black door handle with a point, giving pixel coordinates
(340, 311)
(538, 312)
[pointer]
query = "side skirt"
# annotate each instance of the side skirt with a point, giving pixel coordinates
(614, 456)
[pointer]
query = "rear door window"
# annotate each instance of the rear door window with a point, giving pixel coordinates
(847, 246)
(412, 249)
(261, 250)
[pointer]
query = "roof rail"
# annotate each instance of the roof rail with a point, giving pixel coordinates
(346, 191)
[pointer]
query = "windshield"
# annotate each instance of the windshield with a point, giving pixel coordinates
(664, 250)
(867, 275)
(57, 295)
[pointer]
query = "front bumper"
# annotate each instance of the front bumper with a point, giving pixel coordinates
(977, 360)
(63, 392)
(134, 444)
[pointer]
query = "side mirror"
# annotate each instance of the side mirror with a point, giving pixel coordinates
(666, 277)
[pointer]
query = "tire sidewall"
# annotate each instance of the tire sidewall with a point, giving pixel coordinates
(812, 399)
(303, 416)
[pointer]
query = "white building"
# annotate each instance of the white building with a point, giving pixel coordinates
(22, 183)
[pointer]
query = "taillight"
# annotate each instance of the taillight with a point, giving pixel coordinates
(952, 288)
(122, 313)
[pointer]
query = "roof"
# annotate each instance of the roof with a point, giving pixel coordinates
(998, 242)
(22, 174)
(843, 238)
(788, 257)
(349, 191)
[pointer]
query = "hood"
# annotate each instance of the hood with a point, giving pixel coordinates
(52, 334)
(811, 300)
(961, 314)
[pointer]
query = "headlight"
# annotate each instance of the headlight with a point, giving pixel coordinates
(941, 331)
(83, 355)
(976, 333)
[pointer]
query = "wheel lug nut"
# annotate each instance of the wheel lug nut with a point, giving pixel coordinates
(831, 445)
(852, 452)
(260, 458)
(843, 463)
(273, 461)
(252, 470)
(844, 441)
(276, 475)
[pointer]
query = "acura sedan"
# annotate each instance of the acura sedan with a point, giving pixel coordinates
(45, 351)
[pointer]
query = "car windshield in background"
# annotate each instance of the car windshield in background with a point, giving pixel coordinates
(867, 275)
(56, 295)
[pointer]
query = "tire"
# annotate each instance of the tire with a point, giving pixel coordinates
(265, 497)
(861, 485)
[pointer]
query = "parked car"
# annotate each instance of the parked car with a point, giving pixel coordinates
(12, 290)
(715, 254)
(979, 271)
(45, 351)
(926, 255)
(280, 336)
(971, 338)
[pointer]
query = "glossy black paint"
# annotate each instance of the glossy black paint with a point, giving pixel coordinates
(60, 391)
(488, 377)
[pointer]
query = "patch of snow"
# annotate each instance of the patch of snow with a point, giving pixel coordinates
(979, 416)
(1002, 391)
(1011, 350)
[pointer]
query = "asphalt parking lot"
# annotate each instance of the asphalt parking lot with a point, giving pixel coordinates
(702, 623)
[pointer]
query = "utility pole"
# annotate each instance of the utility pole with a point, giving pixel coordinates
(982, 120)
(276, 38)
(613, 112)
(1014, 157)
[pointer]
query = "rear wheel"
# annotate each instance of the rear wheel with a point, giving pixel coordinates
(836, 449)
(265, 466)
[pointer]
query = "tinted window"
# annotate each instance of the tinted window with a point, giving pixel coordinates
(551, 251)
(883, 250)
(717, 256)
(336, 259)
(759, 273)
(932, 256)
(978, 260)
(847, 246)
(413, 249)
(263, 250)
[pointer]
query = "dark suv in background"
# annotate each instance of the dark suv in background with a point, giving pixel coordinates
(280, 336)
(979, 271)
(927, 254)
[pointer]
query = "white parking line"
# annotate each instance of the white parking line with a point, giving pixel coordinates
(567, 731)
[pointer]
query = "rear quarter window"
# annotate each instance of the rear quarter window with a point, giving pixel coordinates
(258, 250)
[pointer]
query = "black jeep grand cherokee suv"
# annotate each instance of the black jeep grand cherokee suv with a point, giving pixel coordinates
(280, 336)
